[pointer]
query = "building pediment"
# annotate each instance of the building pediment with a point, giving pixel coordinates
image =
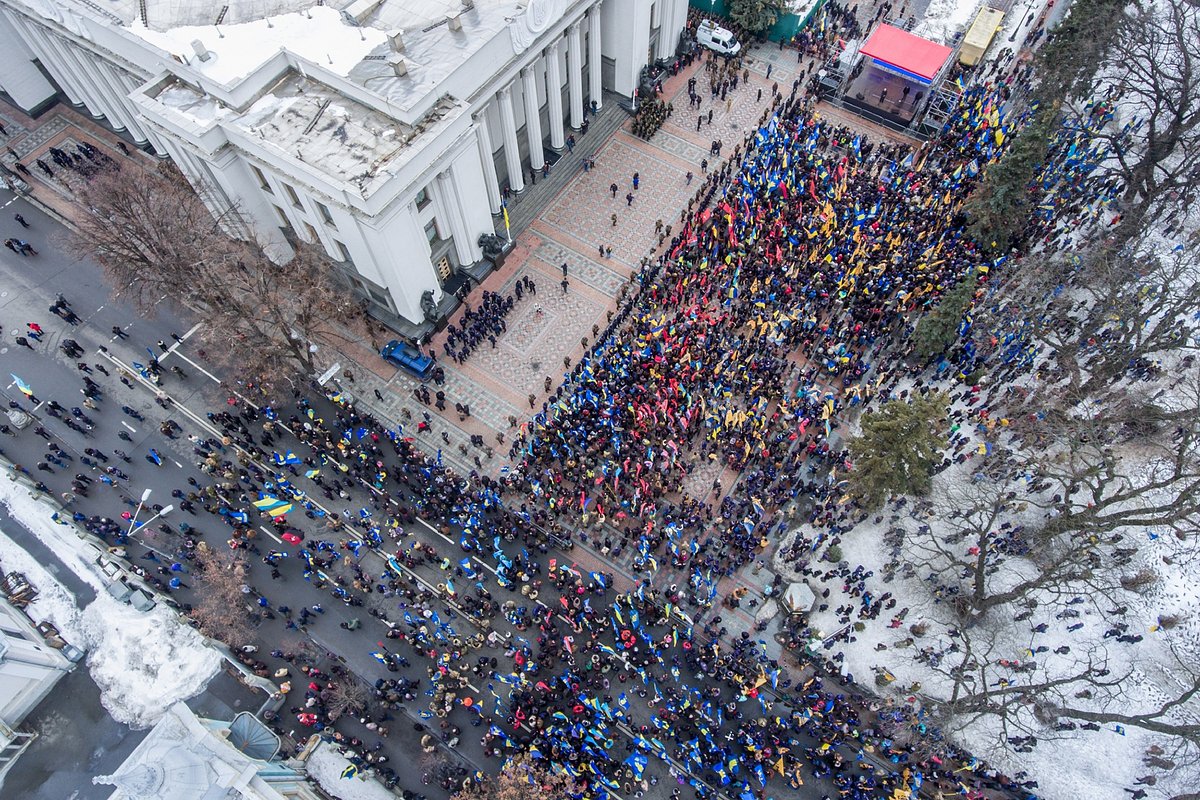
(539, 15)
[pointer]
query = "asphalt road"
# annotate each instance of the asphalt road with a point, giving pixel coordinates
(30, 286)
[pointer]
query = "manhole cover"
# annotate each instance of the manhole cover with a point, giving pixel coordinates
(536, 366)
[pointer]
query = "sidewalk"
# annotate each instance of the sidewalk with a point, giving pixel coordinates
(571, 227)
(27, 139)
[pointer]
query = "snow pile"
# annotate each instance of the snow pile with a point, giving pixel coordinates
(944, 20)
(34, 516)
(318, 35)
(142, 663)
(55, 603)
(325, 766)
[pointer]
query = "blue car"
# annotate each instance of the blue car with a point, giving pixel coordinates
(408, 358)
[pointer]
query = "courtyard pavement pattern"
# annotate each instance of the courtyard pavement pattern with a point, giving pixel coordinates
(27, 139)
(544, 329)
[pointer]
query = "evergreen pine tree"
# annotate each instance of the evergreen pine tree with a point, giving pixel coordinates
(999, 208)
(937, 331)
(756, 16)
(897, 449)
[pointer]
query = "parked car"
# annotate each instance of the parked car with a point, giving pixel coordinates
(711, 35)
(408, 358)
(19, 418)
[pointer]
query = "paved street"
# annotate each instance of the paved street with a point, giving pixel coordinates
(324, 644)
(543, 330)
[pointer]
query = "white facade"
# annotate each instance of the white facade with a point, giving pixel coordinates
(29, 669)
(185, 757)
(384, 130)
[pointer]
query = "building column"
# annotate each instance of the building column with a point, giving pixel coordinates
(533, 116)
(512, 155)
(483, 140)
(595, 93)
(575, 74)
(449, 206)
(554, 96)
(668, 37)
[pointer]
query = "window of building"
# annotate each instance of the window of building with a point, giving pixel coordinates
(323, 210)
(295, 198)
(374, 292)
(263, 183)
(431, 231)
(312, 233)
(422, 198)
(342, 252)
(379, 295)
(284, 222)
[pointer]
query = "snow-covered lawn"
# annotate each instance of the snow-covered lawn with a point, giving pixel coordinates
(142, 663)
(944, 18)
(1066, 764)
(325, 766)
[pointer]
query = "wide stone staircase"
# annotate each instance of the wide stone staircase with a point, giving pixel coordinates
(524, 208)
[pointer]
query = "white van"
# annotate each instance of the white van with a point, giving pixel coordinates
(718, 39)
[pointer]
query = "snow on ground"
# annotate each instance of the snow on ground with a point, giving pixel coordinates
(54, 602)
(142, 663)
(1067, 765)
(944, 19)
(318, 35)
(325, 766)
(60, 539)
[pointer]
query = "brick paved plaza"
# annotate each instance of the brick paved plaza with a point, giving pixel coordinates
(26, 139)
(496, 383)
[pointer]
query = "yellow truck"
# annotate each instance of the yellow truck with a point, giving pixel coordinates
(979, 36)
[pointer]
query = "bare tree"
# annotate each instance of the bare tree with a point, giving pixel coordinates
(346, 695)
(985, 687)
(521, 778)
(279, 318)
(1115, 312)
(1153, 77)
(221, 610)
(155, 238)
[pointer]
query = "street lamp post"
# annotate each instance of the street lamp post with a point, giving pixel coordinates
(166, 510)
(133, 523)
(133, 520)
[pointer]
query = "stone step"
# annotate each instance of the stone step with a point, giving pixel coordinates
(524, 208)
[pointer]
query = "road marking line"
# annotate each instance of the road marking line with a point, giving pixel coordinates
(269, 533)
(212, 377)
(127, 425)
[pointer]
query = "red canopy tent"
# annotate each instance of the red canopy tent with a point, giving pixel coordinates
(898, 51)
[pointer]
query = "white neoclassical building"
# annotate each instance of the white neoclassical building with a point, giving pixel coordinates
(384, 130)
(30, 665)
(187, 757)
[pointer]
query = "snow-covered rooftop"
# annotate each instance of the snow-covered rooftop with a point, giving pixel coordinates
(353, 41)
(318, 34)
(165, 15)
(344, 139)
(432, 54)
